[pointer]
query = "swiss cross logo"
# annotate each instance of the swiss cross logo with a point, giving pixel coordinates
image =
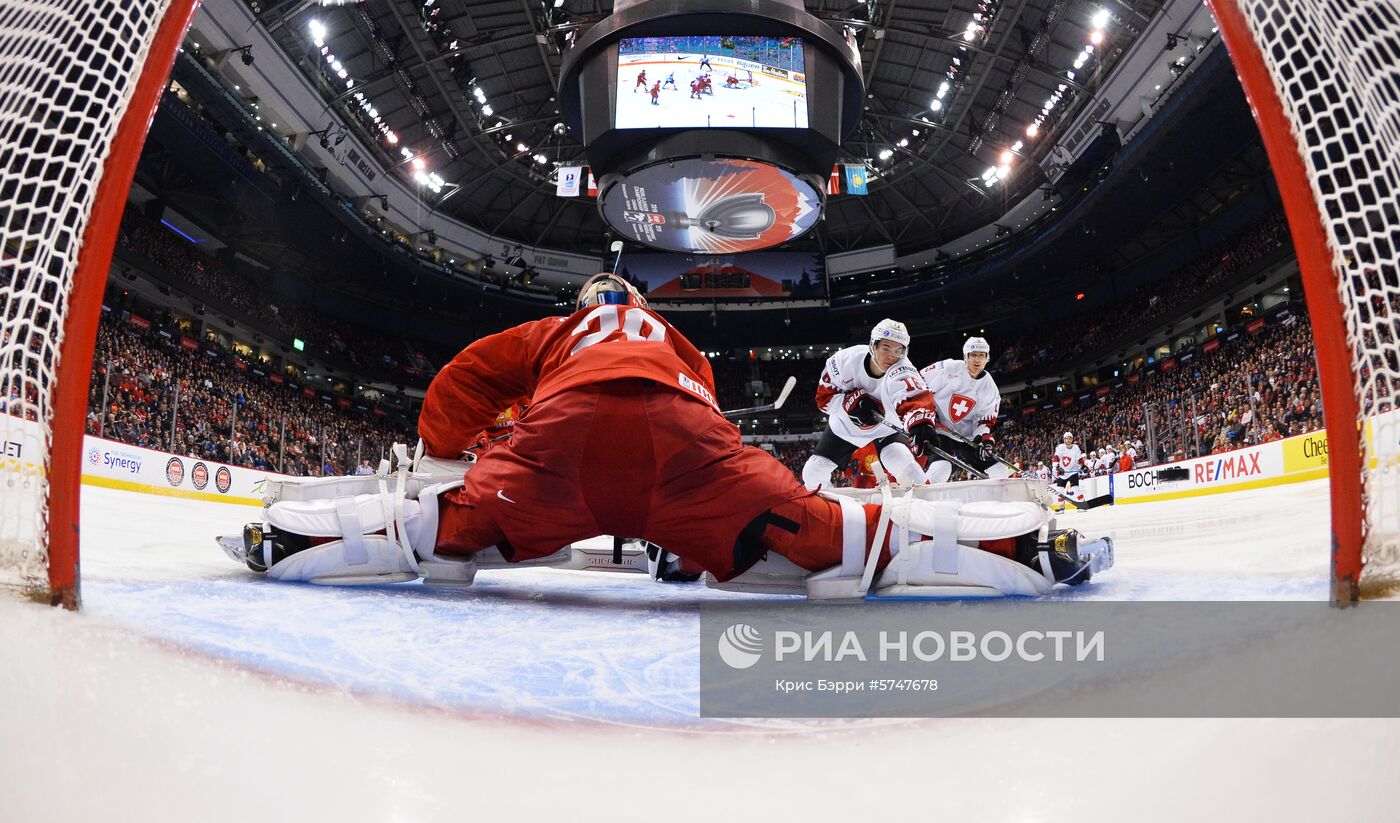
(960, 406)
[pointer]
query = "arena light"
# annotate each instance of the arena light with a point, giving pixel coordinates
(318, 29)
(1096, 37)
(886, 154)
(418, 163)
(936, 105)
(1032, 130)
(1100, 19)
(1018, 145)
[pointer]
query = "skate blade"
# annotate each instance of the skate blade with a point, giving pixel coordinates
(233, 547)
(900, 592)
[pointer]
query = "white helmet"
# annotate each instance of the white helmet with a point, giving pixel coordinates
(891, 330)
(1069, 436)
(606, 287)
(973, 344)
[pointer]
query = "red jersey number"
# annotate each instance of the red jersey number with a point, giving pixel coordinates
(604, 325)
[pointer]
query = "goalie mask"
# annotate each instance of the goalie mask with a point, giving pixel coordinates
(606, 288)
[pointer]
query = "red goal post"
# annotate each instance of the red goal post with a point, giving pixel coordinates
(1321, 78)
(79, 84)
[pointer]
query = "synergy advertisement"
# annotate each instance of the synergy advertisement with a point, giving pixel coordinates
(762, 276)
(711, 82)
(710, 206)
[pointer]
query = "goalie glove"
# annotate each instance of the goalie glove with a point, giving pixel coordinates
(864, 409)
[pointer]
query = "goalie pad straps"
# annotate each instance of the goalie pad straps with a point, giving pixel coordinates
(351, 531)
(401, 453)
(873, 555)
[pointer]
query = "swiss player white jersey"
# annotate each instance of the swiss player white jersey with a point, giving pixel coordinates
(900, 390)
(966, 406)
(1068, 460)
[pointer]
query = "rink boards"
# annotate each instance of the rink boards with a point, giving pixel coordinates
(1291, 460)
(114, 465)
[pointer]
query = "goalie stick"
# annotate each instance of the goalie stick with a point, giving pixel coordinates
(1089, 503)
(774, 406)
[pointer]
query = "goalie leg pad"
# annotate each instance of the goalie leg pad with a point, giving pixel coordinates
(980, 520)
(380, 540)
(373, 559)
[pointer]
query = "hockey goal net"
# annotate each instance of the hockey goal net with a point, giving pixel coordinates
(1323, 78)
(79, 82)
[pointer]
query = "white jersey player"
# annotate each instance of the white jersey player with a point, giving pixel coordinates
(1069, 460)
(867, 393)
(967, 402)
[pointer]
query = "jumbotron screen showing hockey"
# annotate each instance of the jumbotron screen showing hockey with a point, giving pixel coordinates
(711, 82)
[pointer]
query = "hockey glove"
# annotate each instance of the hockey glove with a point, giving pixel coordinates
(864, 409)
(985, 448)
(924, 435)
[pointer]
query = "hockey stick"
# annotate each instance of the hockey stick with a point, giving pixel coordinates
(774, 406)
(1090, 503)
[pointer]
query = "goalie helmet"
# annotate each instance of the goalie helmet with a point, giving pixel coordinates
(973, 344)
(892, 330)
(606, 288)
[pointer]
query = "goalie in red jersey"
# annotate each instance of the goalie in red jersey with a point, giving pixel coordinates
(622, 437)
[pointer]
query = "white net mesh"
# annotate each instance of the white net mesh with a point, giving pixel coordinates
(1336, 67)
(67, 72)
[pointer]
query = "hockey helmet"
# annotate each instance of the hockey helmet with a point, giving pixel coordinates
(892, 330)
(1069, 436)
(606, 288)
(973, 344)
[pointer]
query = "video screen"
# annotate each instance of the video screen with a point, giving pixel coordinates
(755, 277)
(711, 82)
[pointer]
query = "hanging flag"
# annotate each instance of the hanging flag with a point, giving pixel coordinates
(568, 181)
(592, 185)
(833, 184)
(855, 178)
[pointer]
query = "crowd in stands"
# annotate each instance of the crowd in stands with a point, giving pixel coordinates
(1098, 328)
(1261, 387)
(355, 346)
(222, 413)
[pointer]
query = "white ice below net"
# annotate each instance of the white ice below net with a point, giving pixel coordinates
(1336, 67)
(67, 72)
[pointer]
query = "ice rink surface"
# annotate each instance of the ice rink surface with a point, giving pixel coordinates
(190, 689)
(770, 103)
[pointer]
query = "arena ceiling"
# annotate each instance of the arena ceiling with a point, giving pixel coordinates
(470, 86)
